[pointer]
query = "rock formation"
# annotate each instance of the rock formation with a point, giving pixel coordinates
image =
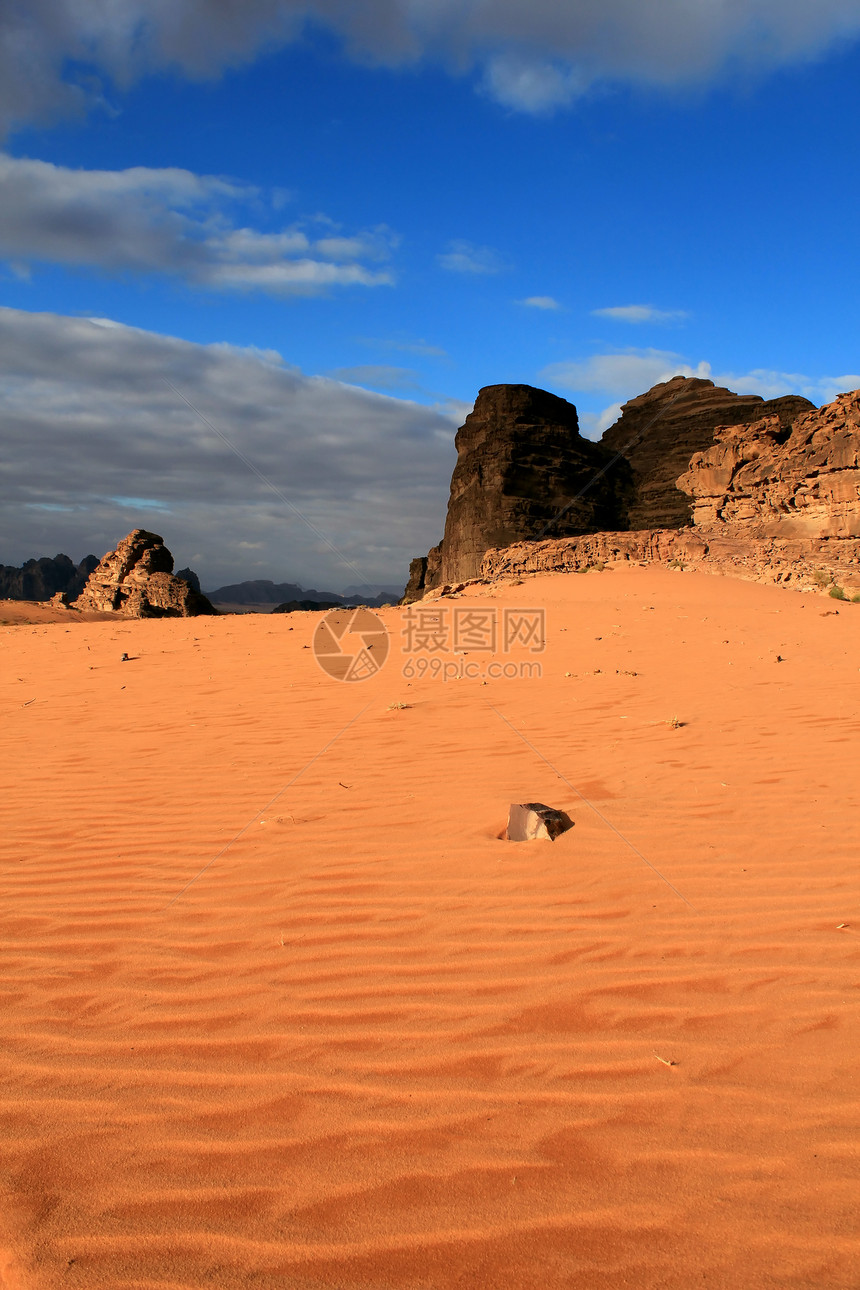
(658, 433)
(189, 576)
(137, 580)
(522, 469)
(777, 482)
(45, 578)
(809, 564)
(524, 472)
(770, 503)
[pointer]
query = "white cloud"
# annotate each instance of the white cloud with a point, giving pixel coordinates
(421, 348)
(770, 384)
(640, 314)
(530, 84)
(174, 222)
(379, 376)
(464, 257)
(622, 376)
(532, 55)
(540, 302)
(95, 443)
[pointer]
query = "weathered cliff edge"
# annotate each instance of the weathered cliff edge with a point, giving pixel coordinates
(770, 503)
(137, 581)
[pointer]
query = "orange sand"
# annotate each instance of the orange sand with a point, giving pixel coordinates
(373, 1045)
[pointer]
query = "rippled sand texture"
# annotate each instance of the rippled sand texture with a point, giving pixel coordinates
(372, 1045)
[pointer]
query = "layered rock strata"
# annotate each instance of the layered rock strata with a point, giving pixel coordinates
(764, 479)
(659, 432)
(807, 564)
(137, 581)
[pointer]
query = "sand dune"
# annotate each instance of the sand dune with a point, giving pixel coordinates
(281, 1009)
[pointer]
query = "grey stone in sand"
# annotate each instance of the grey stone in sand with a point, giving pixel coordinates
(530, 820)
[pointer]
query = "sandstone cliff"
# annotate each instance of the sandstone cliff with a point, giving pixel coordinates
(762, 478)
(770, 503)
(522, 468)
(751, 475)
(137, 580)
(658, 433)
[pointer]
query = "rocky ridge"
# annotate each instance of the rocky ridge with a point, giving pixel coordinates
(137, 581)
(45, 578)
(806, 564)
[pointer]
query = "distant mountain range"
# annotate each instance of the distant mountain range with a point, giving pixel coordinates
(262, 591)
(40, 579)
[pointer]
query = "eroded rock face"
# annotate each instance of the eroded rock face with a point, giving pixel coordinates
(805, 563)
(137, 580)
(765, 479)
(522, 468)
(659, 432)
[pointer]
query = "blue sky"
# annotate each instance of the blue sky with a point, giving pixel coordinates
(329, 247)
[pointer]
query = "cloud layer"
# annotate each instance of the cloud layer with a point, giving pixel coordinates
(623, 375)
(532, 55)
(172, 221)
(96, 443)
(638, 314)
(541, 302)
(465, 257)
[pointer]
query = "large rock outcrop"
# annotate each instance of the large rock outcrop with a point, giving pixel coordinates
(748, 473)
(802, 482)
(770, 503)
(805, 563)
(522, 469)
(137, 580)
(45, 578)
(658, 433)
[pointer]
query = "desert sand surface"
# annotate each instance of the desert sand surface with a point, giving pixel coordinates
(15, 613)
(280, 1008)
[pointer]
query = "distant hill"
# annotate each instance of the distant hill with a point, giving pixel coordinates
(380, 593)
(262, 591)
(293, 606)
(43, 578)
